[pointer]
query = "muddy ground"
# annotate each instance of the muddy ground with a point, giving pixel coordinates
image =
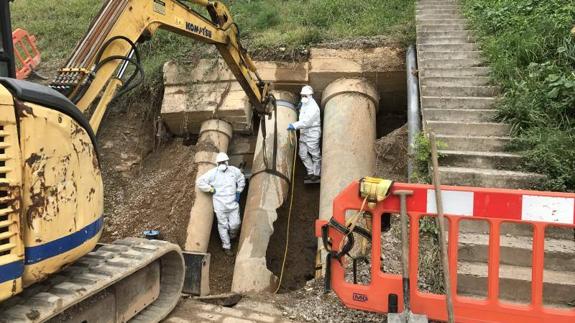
(301, 252)
(148, 183)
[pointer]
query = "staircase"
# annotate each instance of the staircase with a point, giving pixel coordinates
(458, 104)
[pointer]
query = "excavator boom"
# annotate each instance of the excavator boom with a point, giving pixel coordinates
(101, 57)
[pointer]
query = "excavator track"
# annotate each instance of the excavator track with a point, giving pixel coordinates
(133, 280)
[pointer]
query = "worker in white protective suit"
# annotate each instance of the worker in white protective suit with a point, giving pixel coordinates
(226, 184)
(309, 124)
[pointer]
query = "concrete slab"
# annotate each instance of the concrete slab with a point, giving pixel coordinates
(517, 250)
(465, 115)
(480, 159)
(382, 66)
(209, 90)
(464, 176)
(468, 128)
(328, 65)
(216, 70)
(184, 108)
(475, 143)
(515, 283)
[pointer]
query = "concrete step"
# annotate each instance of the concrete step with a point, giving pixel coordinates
(474, 143)
(438, 102)
(455, 72)
(445, 40)
(443, 9)
(447, 47)
(517, 229)
(464, 34)
(468, 128)
(449, 55)
(480, 159)
(437, 5)
(465, 176)
(425, 63)
(452, 10)
(440, 27)
(437, 16)
(433, 21)
(450, 81)
(515, 283)
(465, 115)
(438, 2)
(459, 91)
(517, 251)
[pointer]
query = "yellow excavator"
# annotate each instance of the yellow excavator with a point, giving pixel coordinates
(51, 191)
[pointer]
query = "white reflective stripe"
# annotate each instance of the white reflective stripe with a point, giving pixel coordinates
(454, 202)
(547, 209)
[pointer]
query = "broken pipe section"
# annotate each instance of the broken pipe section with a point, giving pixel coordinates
(350, 107)
(214, 137)
(268, 190)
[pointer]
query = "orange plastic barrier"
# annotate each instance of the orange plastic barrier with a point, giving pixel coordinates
(496, 206)
(26, 52)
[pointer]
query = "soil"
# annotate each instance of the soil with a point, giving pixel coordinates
(302, 53)
(300, 262)
(311, 304)
(149, 186)
(392, 156)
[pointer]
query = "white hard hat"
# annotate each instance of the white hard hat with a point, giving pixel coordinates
(222, 157)
(306, 90)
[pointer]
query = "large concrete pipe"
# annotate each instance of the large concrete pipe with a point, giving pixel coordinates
(268, 190)
(214, 137)
(350, 107)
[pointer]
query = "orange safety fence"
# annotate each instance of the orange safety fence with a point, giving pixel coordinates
(26, 52)
(541, 210)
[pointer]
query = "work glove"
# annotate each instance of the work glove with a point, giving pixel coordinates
(238, 196)
(291, 127)
(212, 190)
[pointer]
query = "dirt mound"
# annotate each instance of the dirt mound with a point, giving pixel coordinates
(147, 185)
(392, 156)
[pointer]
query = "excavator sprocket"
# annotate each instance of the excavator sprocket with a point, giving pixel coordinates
(133, 280)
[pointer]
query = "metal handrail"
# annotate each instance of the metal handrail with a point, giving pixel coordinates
(413, 114)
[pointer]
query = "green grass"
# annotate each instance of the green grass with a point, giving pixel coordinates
(532, 55)
(266, 25)
(292, 23)
(56, 25)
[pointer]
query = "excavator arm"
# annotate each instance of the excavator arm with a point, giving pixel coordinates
(101, 58)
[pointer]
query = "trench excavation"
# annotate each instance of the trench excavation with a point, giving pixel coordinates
(207, 91)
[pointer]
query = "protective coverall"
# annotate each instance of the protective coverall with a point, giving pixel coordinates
(309, 124)
(225, 183)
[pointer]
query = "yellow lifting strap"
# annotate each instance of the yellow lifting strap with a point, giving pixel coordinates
(374, 189)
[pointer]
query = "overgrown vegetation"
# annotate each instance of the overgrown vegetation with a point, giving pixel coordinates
(532, 55)
(265, 25)
(422, 158)
(296, 23)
